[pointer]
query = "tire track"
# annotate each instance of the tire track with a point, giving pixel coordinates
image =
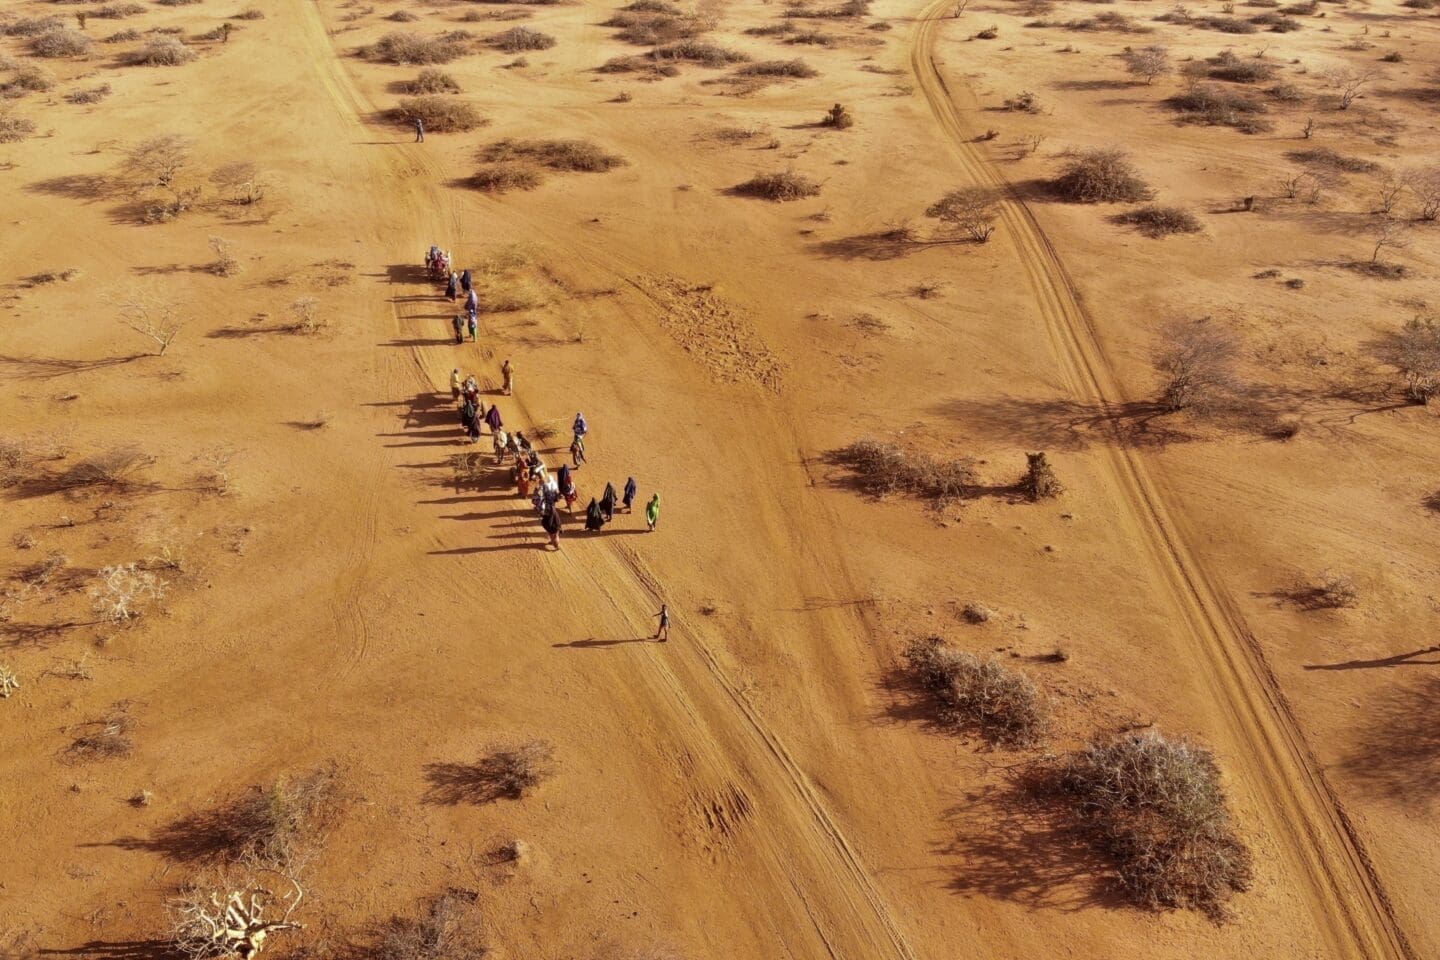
(1349, 906)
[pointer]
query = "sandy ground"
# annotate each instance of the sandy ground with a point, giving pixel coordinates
(757, 787)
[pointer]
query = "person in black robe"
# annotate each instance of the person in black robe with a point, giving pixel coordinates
(550, 523)
(630, 491)
(594, 519)
(607, 502)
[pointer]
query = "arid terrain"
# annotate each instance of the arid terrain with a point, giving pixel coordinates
(821, 277)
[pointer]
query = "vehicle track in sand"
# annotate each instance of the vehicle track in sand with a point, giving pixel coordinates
(809, 854)
(1324, 855)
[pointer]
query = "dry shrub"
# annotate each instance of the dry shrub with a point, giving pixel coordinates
(1227, 66)
(450, 927)
(1227, 24)
(565, 155)
(124, 36)
(881, 469)
(518, 39)
(441, 114)
(30, 26)
(1111, 21)
(403, 16)
(698, 51)
(1040, 482)
(61, 42)
(1002, 705)
(1100, 176)
(89, 95)
(431, 80)
(410, 48)
(159, 52)
(1213, 106)
(106, 738)
(14, 129)
(1156, 806)
(1414, 351)
(274, 824)
(1328, 159)
(239, 182)
(506, 773)
(116, 467)
(1157, 220)
(27, 79)
(967, 213)
(1196, 360)
(646, 27)
(1277, 22)
(250, 13)
(779, 68)
(117, 11)
(838, 118)
(503, 177)
(780, 186)
(1328, 591)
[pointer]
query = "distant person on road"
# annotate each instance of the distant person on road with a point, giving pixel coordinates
(459, 324)
(652, 512)
(662, 632)
(581, 427)
(577, 450)
(419, 130)
(550, 523)
(452, 287)
(466, 281)
(455, 384)
(508, 372)
(594, 519)
(607, 502)
(630, 491)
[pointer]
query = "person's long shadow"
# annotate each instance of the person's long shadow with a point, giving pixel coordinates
(1398, 660)
(118, 950)
(590, 643)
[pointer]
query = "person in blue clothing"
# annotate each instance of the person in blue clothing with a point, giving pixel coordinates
(419, 130)
(630, 491)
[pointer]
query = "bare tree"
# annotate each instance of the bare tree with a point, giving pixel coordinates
(1197, 361)
(1425, 186)
(968, 212)
(150, 316)
(1030, 143)
(1349, 82)
(1389, 191)
(241, 183)
(1414, 350)
(161, 163)
(120, 591)
(1148, 62)
(225, 264)
(1387, 235)
(211, 925)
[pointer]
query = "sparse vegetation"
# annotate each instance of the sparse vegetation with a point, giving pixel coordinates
(1000, 704)
(1100, 176)
(121, 592)
(449, 928)
(1227, 66)
(503, 177)
(152, 317)
(28, 78)
(117, 466)
(563, 155)
(779, 187)
(410, 48)
(1196, 361)
(107, 738)
(240, 183)
(1040, 481)
(881, 469)
(1348, 82)
(838, 118)
(1150, 62)
(518, 39)
(60, 42)
(440, 113)
(225, 265)
(278, 824)
(1155, 805)
(159, 52)
(431, 80)
(968, 213)
(505, 773)
(14, 128)
(1328, 159)
(1156, 220)
(1215, 106)
(89, 95)
(212, 924)
(796, 68)
(1414, 351)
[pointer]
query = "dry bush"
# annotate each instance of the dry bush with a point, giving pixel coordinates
(123, 36)
(1425, 188)
(441, 114)
(120, 592)
(432, 81)
(647, 27)
(225, 917)
(450, 927)
(1109, 21)
(1328, 591)
(225, 264)
(1002, 705)
(30, 26)
(152, 317)
(838, 118)
(506, 773)
(1196, 361)
(250, 13)
(89, 95)
(403, 16)
(519, 39)
(1100, 176)
(1039, 482)
(779, 68)
(1149, 62)
(119, 466)
(780, 186)
(1348, 82)
(159, 52)
(1414, 351)
(27, 79)
(13, 128)
(697, 51)
(305, 316)
(1023, 102)
(1157, 220)
(1227, 66)
(1328, 159)
(565, 155)
(276, 824)
(967, 213)
(1277, 22)
(1213, 106)
(1226, 25)
(60, 43)
(116, 11)
(106, 738)
(240, 183)
(503, 177)
(881, 469)
(1156, 806)
(410, 48)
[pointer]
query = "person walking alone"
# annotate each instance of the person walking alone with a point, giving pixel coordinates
(455, 384)
(652, 512)
(550, 522)
(419, 130)
(508, 372)
(662, 632)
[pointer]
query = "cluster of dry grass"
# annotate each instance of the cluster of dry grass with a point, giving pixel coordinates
(779, 186)
(413, 49)
(1003, 705)
(439, 113)
(881, 469)
(517, 164)
(1100, 176)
